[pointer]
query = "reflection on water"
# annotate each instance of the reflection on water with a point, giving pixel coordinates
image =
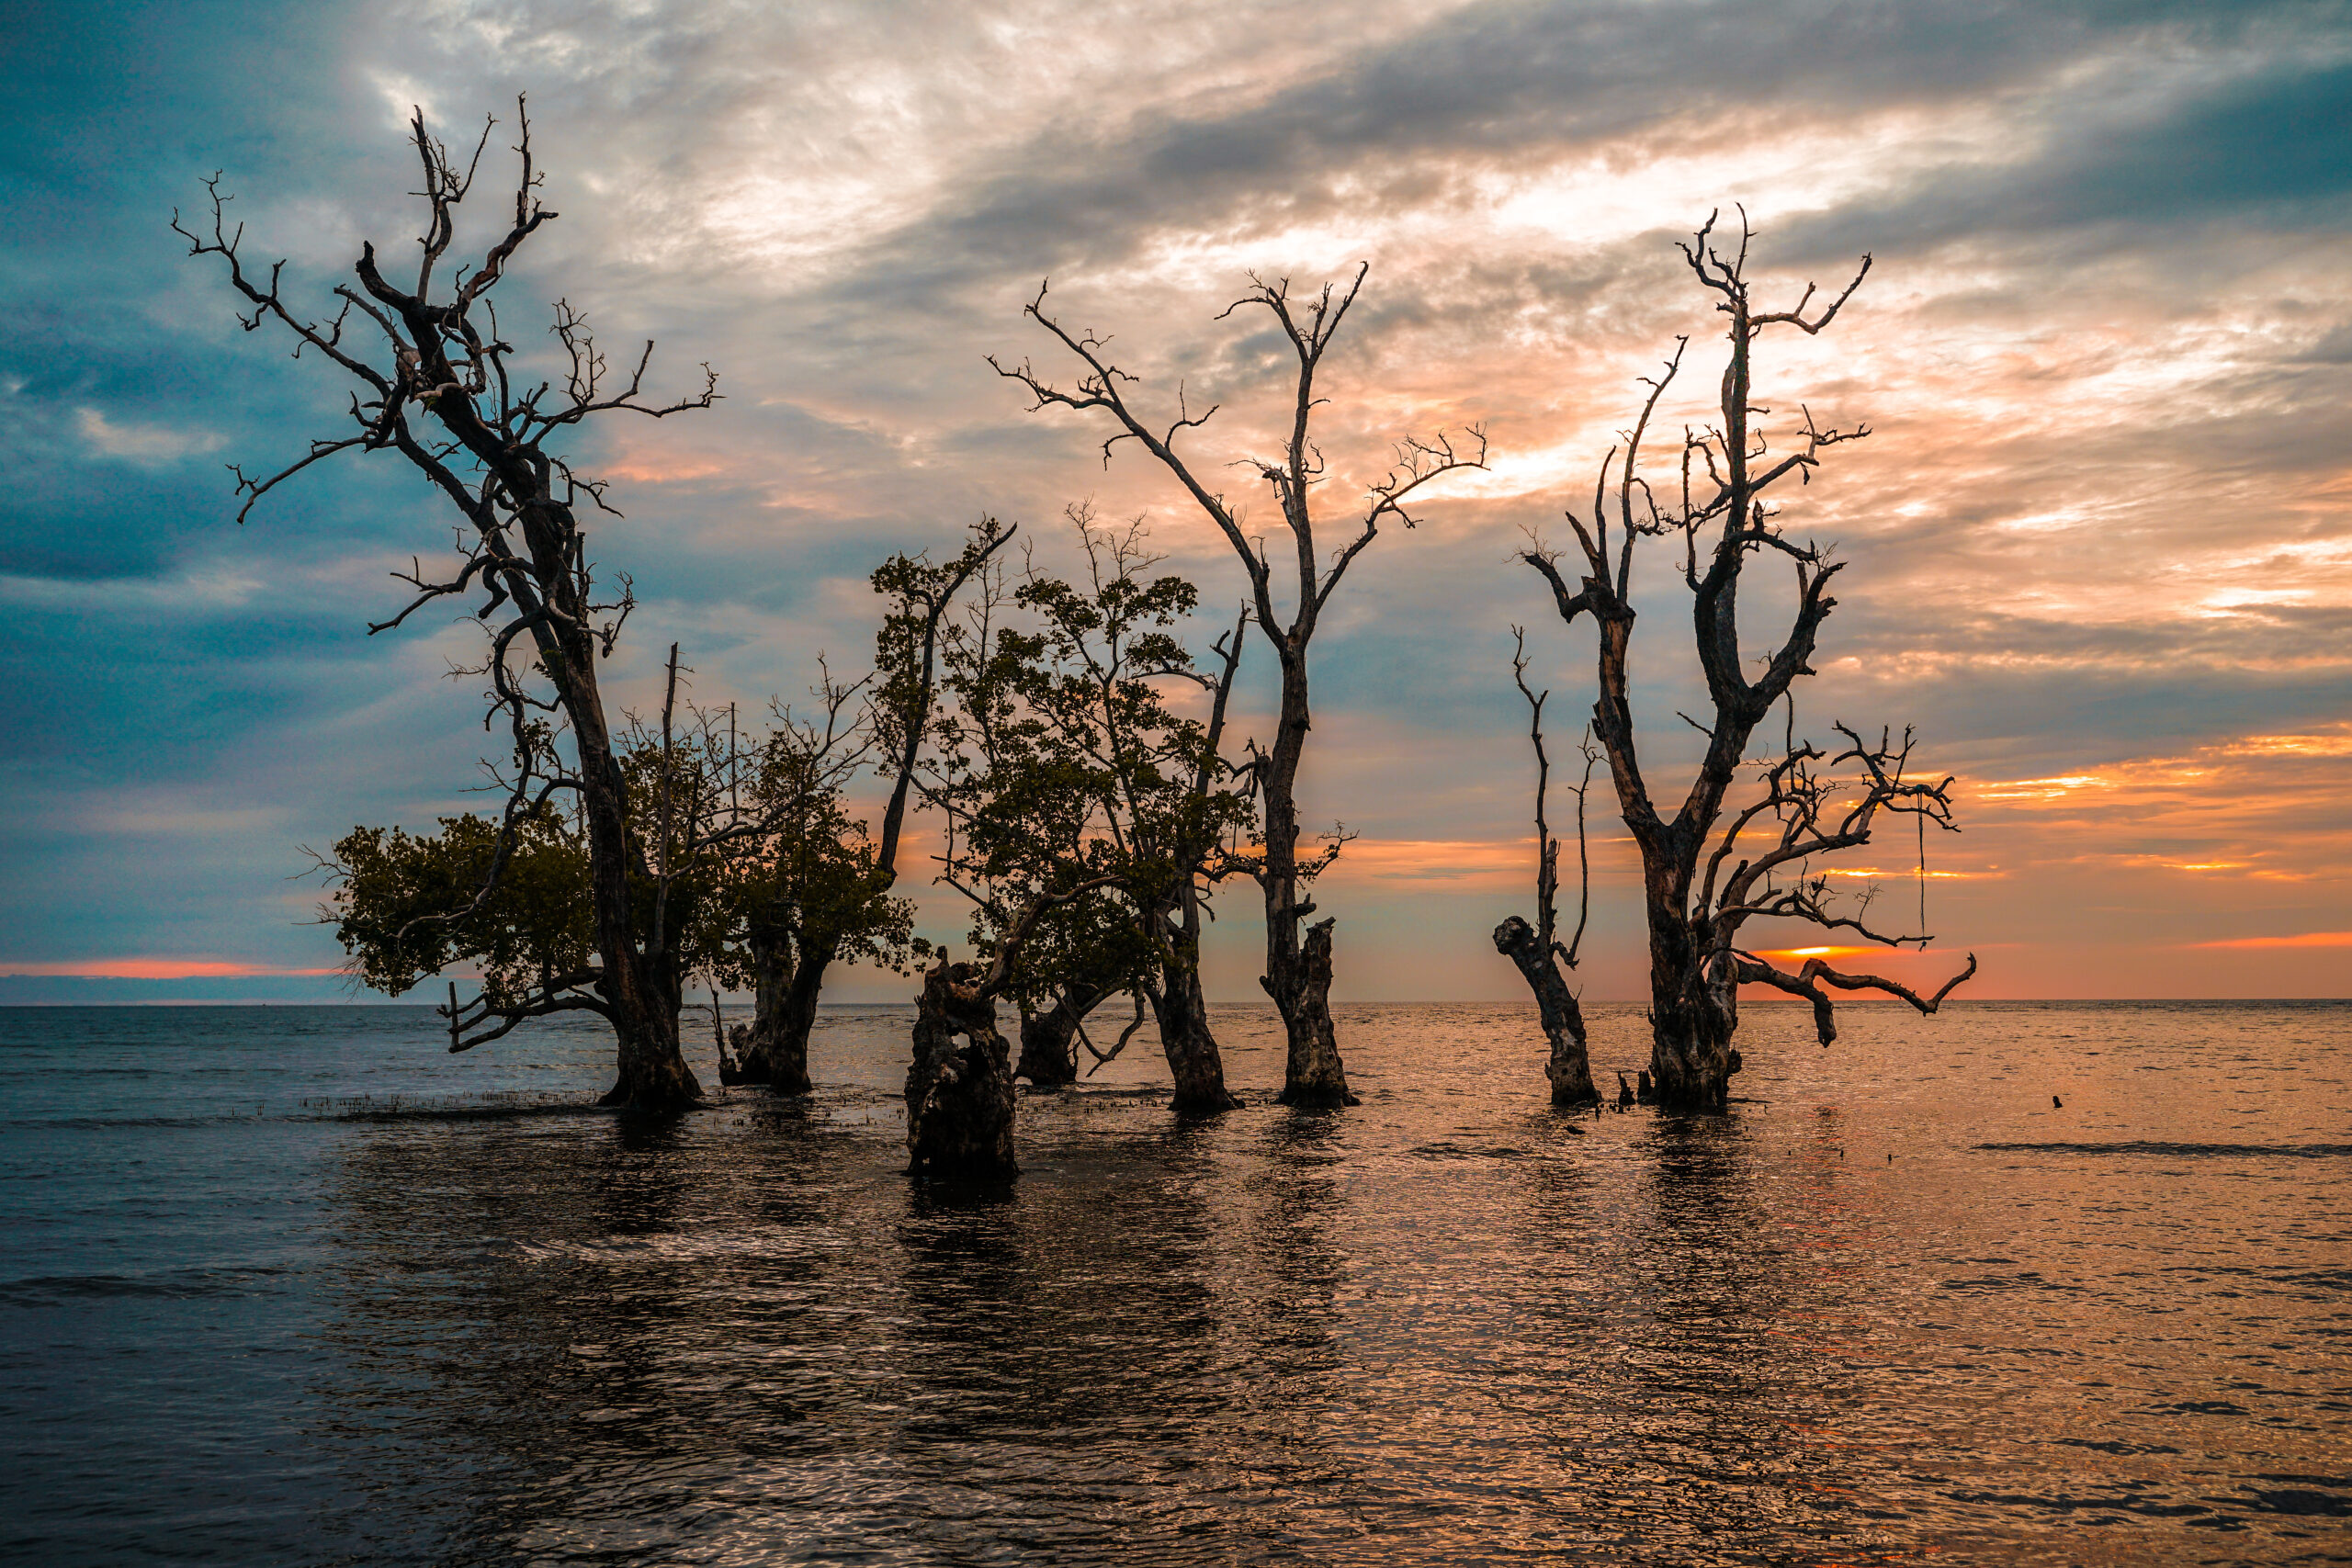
(1894, 1305)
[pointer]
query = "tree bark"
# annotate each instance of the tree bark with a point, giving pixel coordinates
(1570, 1068)
(1180, 1008)
(776, 1055)
(960, 1086)
(1695, 1000)
(1298, 971)
(1313, 1076)
(643, 991)
(1049, 1044)
(1195, 1063)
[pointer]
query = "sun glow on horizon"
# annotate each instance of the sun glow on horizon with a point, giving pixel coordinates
(156, 969)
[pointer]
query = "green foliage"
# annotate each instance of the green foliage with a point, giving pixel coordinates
(394, 890)
(1063, 757)
(811, 877)
(918, 591)
(723, 840)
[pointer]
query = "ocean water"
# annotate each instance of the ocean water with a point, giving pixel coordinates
(289, 1285)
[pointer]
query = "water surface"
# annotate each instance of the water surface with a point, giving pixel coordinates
(291, 1285)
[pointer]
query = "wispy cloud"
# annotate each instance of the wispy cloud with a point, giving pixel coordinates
(2305, 939)
(143, 443)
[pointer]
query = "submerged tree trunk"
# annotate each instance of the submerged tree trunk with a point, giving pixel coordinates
(1536, 949)
(1298, 971)
(642, 991)
(1049, 1041)
(1691, 1059)
(1181, 1009)
(1693, 1012)
(960, 1086)
(777, 1052)
(771, 972)
(1570, 1068)
(1313, 1076)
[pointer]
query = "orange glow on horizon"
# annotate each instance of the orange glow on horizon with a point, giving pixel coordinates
(2307, 939)
(155, 969)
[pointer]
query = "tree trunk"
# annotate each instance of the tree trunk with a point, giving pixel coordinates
(771, 972)
(1691, 1059)
(1569, 1069)
(1298, 974)
(1313, 1076)
(1181, 1009)
(1693, 1013)
(642, 996)
(1049, 1044)
(654, 1073)
(785, 1012)
(1195, 1063)
(960, 1086)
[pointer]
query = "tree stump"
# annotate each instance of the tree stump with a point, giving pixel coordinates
(960, 1086)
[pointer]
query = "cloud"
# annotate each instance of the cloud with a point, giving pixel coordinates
(2307, 939)
(143, 443)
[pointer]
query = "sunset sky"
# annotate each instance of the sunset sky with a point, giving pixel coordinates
(2100, 545)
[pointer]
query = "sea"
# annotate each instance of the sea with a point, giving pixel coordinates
(2019, 1283)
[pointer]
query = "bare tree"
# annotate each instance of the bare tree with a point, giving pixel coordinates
(438, 384)
(1542, 958)
(1721, 519)
(1298, 956)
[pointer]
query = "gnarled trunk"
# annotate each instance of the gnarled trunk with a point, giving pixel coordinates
(1313, 1076)
(1570, 1068)
(1694, 1001)
(642, 993)
(654, 1073)
(784, 1012)
(1298, 972)
(1691, 1059)
(1195, 1063)
(771, 972)
(960, 1086)
(1049, 1044)
(1181, 1009)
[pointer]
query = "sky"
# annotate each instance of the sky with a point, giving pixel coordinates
(2099, 545)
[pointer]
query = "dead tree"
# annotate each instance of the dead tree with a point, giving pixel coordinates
(1298, 956)
(438, 384)
(1695, 908)
(1537, 951)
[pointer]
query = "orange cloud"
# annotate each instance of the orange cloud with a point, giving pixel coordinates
(1434, 860)
(154, 969)
(2308, 939)
(1799, 954)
